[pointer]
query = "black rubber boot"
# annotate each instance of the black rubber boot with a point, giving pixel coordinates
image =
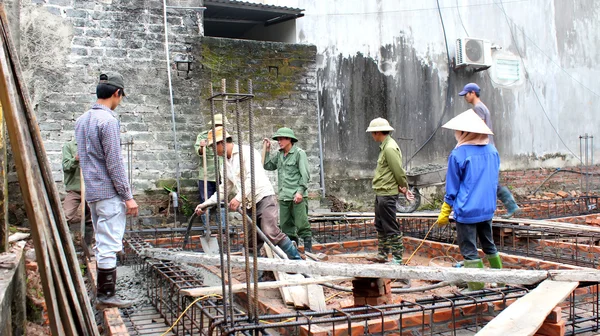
(307, 244)
(105, 290)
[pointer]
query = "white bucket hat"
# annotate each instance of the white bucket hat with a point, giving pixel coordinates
(379, 125)
(468, 121)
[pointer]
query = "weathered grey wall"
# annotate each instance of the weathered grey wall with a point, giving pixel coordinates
(65, 44)
(388, 58)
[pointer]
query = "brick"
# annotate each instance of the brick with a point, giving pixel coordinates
(413, 320)
(474, 309)
(376, 325)
(444, 315)
(350, 244)
(552, 329)
(555, 315)
(501, 305)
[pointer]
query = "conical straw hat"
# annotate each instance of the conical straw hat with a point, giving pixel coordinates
(468, 121)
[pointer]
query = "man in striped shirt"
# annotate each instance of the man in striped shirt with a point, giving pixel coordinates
(106, 185)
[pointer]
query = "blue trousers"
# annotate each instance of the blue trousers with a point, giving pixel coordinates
(467, 239)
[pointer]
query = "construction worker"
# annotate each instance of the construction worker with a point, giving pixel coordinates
(211, 176)
(388, 182)
(106, 185)
(471, 93)
(266, 202)
(72, 180)
(292, 176)
(471, 182)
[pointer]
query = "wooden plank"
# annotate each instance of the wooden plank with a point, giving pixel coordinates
(526, 315)
(238, 288)
(286, 295)
(510, 276)
(3, 187)
(83, 206)
(316, 297)
(29, 188)
(46, 193)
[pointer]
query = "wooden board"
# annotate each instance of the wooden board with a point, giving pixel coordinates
(285, 292)
(526, 315)
(511, 276)
(238, 288)
(297, 294)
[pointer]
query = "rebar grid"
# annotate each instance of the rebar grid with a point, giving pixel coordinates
(166, 279)
(564, 207)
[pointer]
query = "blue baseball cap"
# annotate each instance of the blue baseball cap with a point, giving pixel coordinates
(468, 88)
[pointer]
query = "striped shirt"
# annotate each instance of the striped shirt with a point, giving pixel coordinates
(99, 148)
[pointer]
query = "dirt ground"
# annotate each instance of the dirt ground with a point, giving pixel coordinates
(35, 296)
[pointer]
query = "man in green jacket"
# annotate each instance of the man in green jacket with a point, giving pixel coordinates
(211, 177)
(72, 181)
(388, 182)
(293, 176)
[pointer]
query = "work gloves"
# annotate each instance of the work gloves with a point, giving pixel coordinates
(444, 216)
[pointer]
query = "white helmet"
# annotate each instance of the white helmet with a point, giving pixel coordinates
(379, 125)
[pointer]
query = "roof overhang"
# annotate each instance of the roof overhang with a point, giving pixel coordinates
(233, 18)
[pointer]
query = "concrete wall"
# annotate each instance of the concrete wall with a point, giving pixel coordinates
(388, 58)
(64, 45)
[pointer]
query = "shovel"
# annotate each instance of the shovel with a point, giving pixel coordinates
(210, 244)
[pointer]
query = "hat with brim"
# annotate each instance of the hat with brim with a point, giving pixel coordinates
(218, 120)
(285, 132)
(219, 137)
(468, 121)
(379, 125)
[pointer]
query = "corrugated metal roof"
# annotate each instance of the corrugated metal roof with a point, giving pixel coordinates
(252, 4)
(232, 18)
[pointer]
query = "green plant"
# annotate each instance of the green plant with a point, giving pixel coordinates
(187, 208)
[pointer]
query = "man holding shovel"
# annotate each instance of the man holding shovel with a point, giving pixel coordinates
(266, 202)
(207, 181)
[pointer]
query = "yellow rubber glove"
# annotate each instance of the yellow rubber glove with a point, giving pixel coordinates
(444, 217)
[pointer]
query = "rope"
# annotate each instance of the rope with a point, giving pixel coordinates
(186, 309)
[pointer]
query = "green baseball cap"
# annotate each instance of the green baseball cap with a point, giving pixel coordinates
(112, 78)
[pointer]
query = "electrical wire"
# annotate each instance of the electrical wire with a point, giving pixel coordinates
(501, 6)
(422, 241)
(186, 309)
(448, 87)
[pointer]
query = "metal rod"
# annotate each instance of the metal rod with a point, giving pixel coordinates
(168, 60)
(253, 193)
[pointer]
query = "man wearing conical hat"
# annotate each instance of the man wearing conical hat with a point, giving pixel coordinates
(293, 177)
(388, 182)
(264, 196)
(211, 176)
(471, 182)
(471, 94)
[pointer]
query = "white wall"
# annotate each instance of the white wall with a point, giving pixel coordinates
(558, 40)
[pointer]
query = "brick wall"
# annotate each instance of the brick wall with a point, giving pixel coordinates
(63, 57)
(524, 182)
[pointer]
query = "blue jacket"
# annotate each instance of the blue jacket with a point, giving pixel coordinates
(471, 182)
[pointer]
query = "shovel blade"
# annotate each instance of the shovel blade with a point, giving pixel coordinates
(210, 245)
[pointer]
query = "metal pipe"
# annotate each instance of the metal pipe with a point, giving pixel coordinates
(321, 168)
(168, 59)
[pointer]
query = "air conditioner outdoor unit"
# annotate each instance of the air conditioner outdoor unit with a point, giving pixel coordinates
(473, 52)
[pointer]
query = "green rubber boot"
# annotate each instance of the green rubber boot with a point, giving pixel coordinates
(474, 286)
(495, 262)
